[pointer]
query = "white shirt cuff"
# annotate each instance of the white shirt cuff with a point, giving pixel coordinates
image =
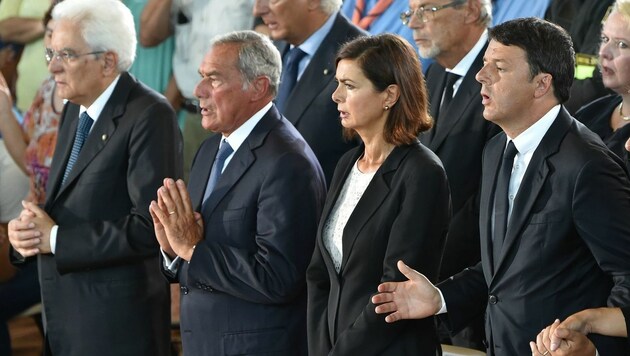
(169, 265)
(443, 308)
(53, 239)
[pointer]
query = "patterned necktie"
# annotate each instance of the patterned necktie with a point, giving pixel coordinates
(217, 167)
(83, 129)
(365, 21)
(289, 76)
(501, 200)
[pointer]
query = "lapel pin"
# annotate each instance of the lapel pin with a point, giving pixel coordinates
(326, 71)
(104, 137)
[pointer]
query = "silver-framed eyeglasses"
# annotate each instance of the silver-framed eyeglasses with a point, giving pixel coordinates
(66, 55)
(426, 13)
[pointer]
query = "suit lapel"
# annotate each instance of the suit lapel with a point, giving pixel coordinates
(200, 171)
(467, 93)
(370, 201)
(491, 162)
(243, 158)
(331, 199)
(67, 128)
(533, 181)
(435, 87)
(318, 74)
(103, 128)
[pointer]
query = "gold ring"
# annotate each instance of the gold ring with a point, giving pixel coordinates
(171, 212)
(546, 353)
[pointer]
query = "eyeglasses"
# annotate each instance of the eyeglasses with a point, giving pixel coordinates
(66, 55)
(426, 13)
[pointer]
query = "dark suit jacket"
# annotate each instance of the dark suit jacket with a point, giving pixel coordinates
(596, 116)
(458, 139)
(567, 246)
(310, 107)
(402, 215)
(102, 291)
(244, 290)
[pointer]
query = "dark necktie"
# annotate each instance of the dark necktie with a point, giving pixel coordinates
(447, 97)
(289, 76)
(501, 200)
(217, 167)
(83, 129)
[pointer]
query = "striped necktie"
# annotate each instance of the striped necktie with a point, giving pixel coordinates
(83, 130)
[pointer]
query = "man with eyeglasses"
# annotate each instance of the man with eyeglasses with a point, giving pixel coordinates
(454, 34)
(102, 289)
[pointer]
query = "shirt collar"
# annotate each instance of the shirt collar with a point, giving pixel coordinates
(529, 139)
(99, 104)
(464, 65)
(312, 43)
(239, 135)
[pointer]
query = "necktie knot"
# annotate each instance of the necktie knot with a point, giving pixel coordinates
(447, 95)
(83, 130)
(509, 153)
(225, 150)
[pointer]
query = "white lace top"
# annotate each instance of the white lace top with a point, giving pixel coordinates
(352, 191)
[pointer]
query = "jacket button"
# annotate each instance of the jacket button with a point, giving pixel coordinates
(492, 299)
(183, 289)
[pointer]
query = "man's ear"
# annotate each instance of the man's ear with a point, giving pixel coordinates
(259, 88)
(110, 63)
(544, 83)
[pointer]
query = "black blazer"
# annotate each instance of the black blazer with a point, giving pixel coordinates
(567, 246)
(402, 215)
(244, 290)
(310, 108)
(458, 140)
(102, 291)
(596, 116)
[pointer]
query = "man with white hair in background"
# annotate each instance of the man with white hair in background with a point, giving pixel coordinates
(102, 289)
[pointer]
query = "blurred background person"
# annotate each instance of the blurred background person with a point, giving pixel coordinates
(583, 19)
(388, 200)
(153, 65)
(609, 116)
(17, 292)
(308, 35)
(193, 23)
(381, 16)
(21, 23)
(30, 147)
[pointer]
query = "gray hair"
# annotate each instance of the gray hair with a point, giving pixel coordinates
(485, 15)
(106, 25)
(330, 6)
(257, 56)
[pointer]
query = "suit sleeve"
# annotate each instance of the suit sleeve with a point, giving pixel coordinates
(466, 296)
(416, 237)
(153, 152)
(289, 204)
(601, 207)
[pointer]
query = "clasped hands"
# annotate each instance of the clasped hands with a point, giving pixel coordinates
(178, 228)
(29, 233)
